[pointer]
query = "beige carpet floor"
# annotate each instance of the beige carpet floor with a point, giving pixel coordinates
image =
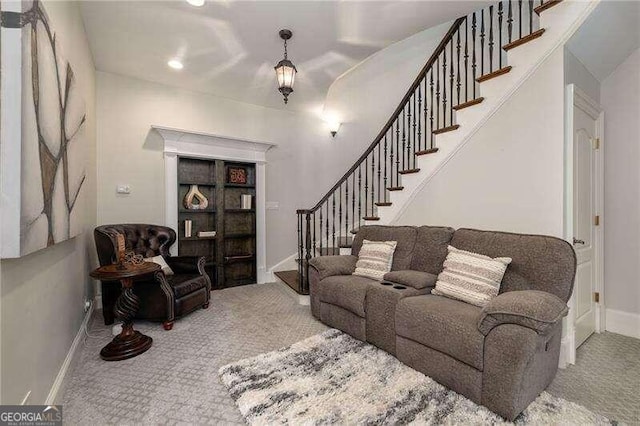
(176, 381)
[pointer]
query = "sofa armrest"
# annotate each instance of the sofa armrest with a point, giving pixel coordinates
(537, 310)
(414, 279)
(185, 264)
(328, 266)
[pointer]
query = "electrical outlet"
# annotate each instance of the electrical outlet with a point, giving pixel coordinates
(123, 189)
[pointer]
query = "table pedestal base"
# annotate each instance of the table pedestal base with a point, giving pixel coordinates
(126, 346)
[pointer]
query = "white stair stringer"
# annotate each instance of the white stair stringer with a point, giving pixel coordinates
(559, 22)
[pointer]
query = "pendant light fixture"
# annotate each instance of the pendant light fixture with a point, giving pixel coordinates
(285, 70)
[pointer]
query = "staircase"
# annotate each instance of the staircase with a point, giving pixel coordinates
(480, 62)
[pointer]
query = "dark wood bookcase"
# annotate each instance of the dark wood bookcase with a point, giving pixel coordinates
(231, 254)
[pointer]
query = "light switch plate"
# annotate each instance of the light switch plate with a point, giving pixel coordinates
(123, 189)
(272, 205)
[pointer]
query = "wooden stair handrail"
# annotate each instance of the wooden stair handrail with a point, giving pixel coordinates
(438, 50)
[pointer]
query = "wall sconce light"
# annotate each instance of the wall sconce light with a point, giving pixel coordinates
(285, 70)
(334, 126)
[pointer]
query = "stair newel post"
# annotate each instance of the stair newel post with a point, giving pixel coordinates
(491, 38)
(307, 256)
(326, 225)
(313, 236)
(473, 53)
(359, 194)
(404, 138)
(500, 13)
(451, 75)
(385, 167)
(509, 21)
(353, 199)
(300, 248)
(458, 64)
(482, 42)
(391, 159)
(366, 186)
(320, 228)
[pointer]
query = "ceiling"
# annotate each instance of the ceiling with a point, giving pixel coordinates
(229, 48)
(607, 37)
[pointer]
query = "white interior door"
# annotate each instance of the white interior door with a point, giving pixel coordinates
(584, 210)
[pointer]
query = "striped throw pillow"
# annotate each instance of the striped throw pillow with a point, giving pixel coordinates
(375, 259)
(471, 277)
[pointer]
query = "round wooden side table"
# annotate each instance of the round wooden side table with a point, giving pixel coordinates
(129, 343)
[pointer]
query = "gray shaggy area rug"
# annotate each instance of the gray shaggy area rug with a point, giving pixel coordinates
(333, 378)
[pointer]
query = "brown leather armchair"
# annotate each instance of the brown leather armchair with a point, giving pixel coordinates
(162, 298)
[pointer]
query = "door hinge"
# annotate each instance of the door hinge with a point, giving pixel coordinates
(596, 143)
(596, 297)
(596, 220)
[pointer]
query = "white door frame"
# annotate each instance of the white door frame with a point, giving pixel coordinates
(576, 97)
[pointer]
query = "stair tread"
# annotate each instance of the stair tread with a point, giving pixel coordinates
(494, 74)
(291, 279)
(427, 151)
(446, 129)
(467, 104)
(408, 171)
(534, 35)
(395, 188)
(385, 204)
(371, 218)
(546, 5)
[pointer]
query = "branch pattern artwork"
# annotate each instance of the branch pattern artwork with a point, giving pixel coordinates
(53, 160)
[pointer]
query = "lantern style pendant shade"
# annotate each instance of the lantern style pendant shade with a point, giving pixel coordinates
(285, 70)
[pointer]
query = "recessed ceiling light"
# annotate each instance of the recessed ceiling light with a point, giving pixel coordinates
(196, 3)
(175, 64)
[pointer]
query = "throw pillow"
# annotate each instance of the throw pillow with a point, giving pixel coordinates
(375, 259)
(471, 277)
(160, 261)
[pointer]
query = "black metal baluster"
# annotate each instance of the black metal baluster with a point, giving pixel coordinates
(353, 200)
(530, 16)
(509, 21)
(404, 140)
(398, 154)
(431, 111)
(482, 42)
(304, 284)
(327, 225)
(491, 38)
(426, 111)
(412, 152)
(359, 194)
(519, 19)
(346, 207)
(500, 13)
(321, 223)
(419, 114)
(451, 85)
(437, 93)
(458, 62)
(366, 186)
(391, 162)
(466, 59)
(385, 167)
(300, 247)
(473, 53)
(379, 171)
(314, 234)
(333, 221)
(444, 87)
(339, 216)
(408, 151)
(373, 181)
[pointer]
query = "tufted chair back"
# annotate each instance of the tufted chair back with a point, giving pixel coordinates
(144, 239)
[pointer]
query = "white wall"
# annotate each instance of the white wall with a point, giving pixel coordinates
(43, 294)
(576, 73)
(509, 176)
(620, 98)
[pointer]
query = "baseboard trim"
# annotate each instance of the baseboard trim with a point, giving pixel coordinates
(567, 352)
(625, 323)
(62, 373)
(265, 276)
